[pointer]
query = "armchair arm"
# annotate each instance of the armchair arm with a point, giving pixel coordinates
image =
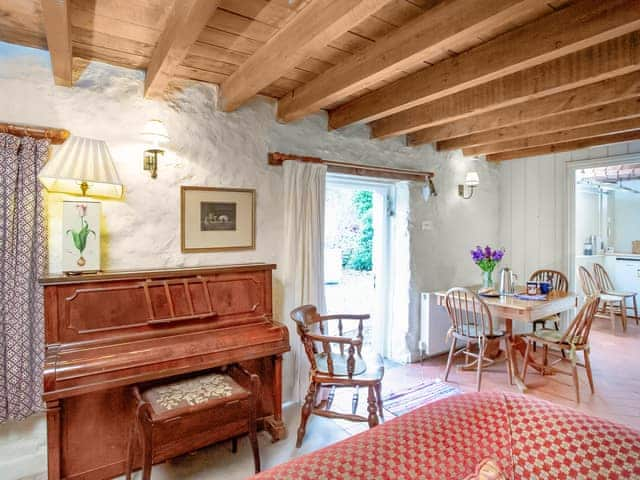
(339, 340)
(365, 316)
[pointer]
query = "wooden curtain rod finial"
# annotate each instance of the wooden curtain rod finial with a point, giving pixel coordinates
(56, 135)
(278, 158)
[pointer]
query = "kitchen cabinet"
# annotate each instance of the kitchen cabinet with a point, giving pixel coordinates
(627, 274)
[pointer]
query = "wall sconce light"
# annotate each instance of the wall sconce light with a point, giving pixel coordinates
(471, 181)
(429, 189)
(156, 134)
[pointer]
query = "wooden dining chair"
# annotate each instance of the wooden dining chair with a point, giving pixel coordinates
(337, 362)
(574, 339)
(606, 286)
(610, 306)
(471, 323)
(560, 283)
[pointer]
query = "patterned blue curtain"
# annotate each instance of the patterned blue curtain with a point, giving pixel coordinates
(23, 259)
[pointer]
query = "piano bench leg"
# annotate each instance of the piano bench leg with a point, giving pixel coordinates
(147, 449)
(131, 444)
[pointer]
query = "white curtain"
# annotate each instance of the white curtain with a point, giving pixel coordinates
(304, 197)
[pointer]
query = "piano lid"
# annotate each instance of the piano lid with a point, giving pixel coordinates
(56, 279)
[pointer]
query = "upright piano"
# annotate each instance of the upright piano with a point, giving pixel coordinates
(105, 332)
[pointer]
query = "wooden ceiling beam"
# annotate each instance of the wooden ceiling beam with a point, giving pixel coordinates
(316, 25)
(566, 146)
(607, 128)
(184, 25)
(607, 60)
(599, 93)
(583, 24)
(57, 25)
(554, 123)
(430, 33)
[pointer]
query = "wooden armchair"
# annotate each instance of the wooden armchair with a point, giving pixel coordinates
(610, 306)
(332, 368)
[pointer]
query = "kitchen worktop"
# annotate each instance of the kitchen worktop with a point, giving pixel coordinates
(625, 255)
(615, 254)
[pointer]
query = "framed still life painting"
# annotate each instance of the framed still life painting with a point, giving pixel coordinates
(217, 219)
(81, 237)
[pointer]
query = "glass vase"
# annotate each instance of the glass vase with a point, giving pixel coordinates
(487, 279)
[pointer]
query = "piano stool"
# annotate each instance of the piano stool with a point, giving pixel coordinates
(167, 412)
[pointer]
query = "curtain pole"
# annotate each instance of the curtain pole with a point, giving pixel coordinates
(276, 158)
(56, 135)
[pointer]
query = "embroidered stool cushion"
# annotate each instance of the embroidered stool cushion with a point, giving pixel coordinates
(192, 392)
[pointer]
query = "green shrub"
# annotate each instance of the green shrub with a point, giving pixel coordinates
(360, 258)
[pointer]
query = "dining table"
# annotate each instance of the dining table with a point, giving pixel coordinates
(511, 308)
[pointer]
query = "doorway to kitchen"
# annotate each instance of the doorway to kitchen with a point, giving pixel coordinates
(357, 254)
(606, 227)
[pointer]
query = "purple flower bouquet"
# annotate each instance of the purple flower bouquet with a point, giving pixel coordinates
(487, 259)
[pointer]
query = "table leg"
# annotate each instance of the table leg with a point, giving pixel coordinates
(517, 379)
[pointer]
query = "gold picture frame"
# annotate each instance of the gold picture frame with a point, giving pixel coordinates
(214, 219)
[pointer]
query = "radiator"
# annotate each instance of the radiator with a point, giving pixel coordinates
(434, 324)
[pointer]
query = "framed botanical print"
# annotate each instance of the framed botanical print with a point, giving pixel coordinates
(81, 236)
(217, 219)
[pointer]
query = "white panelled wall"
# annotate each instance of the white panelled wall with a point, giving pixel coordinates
(535, 223)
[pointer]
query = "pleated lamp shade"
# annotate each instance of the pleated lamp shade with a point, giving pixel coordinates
(82, 162)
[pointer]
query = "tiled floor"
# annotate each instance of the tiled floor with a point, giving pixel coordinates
(616, 365)
(615, 360)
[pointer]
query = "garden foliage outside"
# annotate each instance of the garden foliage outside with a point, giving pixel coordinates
(353, 232)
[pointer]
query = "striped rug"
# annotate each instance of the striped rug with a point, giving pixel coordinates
(403, 401)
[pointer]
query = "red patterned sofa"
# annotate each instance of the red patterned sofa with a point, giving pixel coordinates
(527, 438)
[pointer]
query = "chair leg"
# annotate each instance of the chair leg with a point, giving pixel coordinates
(557, 326)
(147, 450)
(576, 381)
(234, 444)
(355, 399)
(525, 363)
(623, 314)
(481, 347)
(305, 413)
(131, 442)
(587, 366)
(450, 359)
(635, 310)
(612, 317)
(253, 439)
(372, 407)
(535, 327)
(379, 398)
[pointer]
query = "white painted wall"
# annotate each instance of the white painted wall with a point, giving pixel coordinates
(213, 148)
